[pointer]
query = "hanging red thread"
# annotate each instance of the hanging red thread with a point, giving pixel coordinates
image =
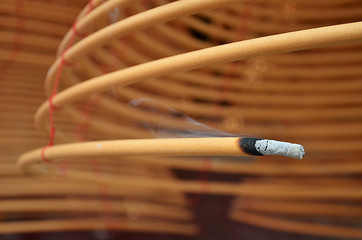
(52, 107)
(19, 29)
(77, 33)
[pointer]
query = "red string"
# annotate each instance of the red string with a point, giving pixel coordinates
(63, 168)
(204, 175)
(19, 27)
(103, 189)
(62, 58)
(104, 193)
(204, 182)
(76, 32)
(225, 88)
(90, 7)
(52, 107)
(207, 162)
(43, 154)
(244, 20)
(82, 127)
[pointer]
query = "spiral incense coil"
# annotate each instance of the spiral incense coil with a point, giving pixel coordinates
(203, 74)
(30, 33)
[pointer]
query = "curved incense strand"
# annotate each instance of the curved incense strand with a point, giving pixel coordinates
(222, 146)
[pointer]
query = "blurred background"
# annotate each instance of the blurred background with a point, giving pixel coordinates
(312, 97)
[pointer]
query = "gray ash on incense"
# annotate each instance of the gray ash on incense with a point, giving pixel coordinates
(261, 147)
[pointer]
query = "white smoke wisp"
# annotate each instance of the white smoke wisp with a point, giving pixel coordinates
(161, 125)
(159, 122)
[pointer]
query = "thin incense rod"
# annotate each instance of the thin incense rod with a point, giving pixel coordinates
(231, 146)
(141, 21)
(226, 53)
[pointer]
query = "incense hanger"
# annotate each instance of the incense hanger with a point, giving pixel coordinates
(201, 60)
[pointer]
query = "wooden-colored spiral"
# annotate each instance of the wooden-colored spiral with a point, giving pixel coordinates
(286, 70)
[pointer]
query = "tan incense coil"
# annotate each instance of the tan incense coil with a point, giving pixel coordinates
(30, 33)
(279, 70)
